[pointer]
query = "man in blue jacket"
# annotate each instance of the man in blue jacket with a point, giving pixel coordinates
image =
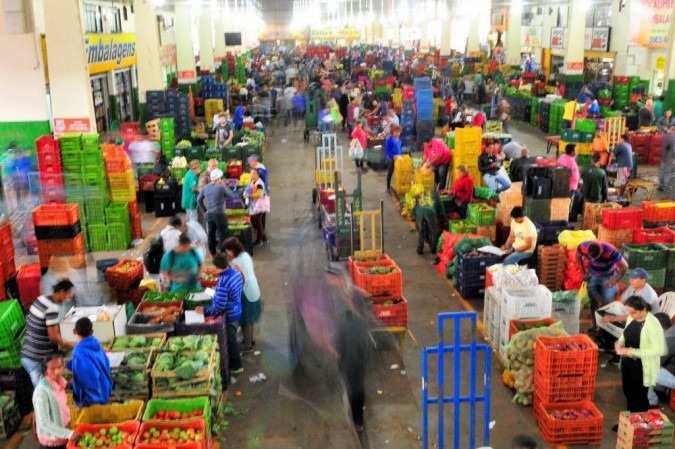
(92, 383)
(227, 303)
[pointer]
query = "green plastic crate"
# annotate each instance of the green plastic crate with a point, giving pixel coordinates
(12, 321)
(583, 160)
(212, 153)
(166, 124)
(93, 159)
(178, 173)
(98, 237)
(10, 357)
(90, 140)
(251, 150)
(462, 227)
(194, 153)
(73, 179)
(231, 153)
(117, 213)
(650, 256)
(184, 405)
(584, 125)
(119, 237)
(482, 215)
(537, 209)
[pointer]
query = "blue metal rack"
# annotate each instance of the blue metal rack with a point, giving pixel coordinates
(456, 348)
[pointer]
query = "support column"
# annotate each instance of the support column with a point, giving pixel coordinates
(206, 60)
(512, 44)
(148, 59)
(219, 37)
(574, 51)
(670, 67)
(446, 47)
(70, 86)
(185, 53)
(473, 41)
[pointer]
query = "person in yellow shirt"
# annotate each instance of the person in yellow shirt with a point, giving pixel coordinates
(569, 114)
(522, 240)
(601, 145)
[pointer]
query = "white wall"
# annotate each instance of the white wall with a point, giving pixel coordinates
(22, 89)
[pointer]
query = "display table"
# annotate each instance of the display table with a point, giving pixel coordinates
(633, 185)
(552, 141)
(400, 331)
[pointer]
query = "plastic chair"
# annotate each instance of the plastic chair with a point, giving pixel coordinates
(667, 303)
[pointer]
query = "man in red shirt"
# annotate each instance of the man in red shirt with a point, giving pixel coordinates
(462, 190)
(437, 156)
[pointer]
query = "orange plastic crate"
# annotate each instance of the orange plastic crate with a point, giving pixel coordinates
(66, 246)
(75, 260)
(56, 215)
(28, 280)
(554, 362)
(624, 218)
(117, 164)
(654, 211)
(391, 314)
(199, 424)
(123, 280)
(351, 260)
(563, 388)
(559, 431)
(126, 426)
(382, 285)
(654, 235)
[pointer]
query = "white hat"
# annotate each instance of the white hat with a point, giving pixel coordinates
(216, 174)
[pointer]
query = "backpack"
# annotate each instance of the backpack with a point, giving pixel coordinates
(153, 255)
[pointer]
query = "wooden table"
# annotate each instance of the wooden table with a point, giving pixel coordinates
(551, 141)
(633, 185)
(401, 331)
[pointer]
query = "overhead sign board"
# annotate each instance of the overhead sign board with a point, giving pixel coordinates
(106, 52)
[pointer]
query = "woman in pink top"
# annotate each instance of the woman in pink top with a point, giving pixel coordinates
(437, 157)
(52, 414)
(567, 160)
(360, 135)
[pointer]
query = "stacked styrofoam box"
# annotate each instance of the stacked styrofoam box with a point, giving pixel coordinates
(491, 314)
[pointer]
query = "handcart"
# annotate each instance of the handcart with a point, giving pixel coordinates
(339, 225)
(328, 160)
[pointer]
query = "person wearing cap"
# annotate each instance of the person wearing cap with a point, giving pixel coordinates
(606, 267)
(522, 240)
(190, 190)
(623, 156)
(638, 287)
(594, 185)
(212, 201)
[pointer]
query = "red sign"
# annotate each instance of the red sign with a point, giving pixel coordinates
(575, 65)
(187, 75)
(71, 125)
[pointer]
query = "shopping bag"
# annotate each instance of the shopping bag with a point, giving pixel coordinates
(355, 149)
(262, 205)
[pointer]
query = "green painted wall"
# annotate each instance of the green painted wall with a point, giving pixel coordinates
(670, 94)
(23, 133)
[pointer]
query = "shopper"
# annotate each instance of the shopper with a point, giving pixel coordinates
(461, 88)
(239, 116)
(462, 190)
(343, 103)
(594, 181)
(359, 134)
(606, 267)
(623, 155)
(490, 165)
(504, 114)
(665, 379)
(52, 414)
(437, 157)
(92, 383)
(568, 160)
(191, 190)
(522, 239)
(197, 235)
(182, 266)
(258, 205)
(392, 148)
(171, 233)
(458, 117)
(227, 303)
(214, 194)
(481, 95)
(224, 134)
(666, 124)
(640, 346)
(600, 145)
(43, 335)
(646, 114)
(251, 304)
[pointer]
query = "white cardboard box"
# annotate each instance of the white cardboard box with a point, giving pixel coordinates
(614, 308)
(104, 331)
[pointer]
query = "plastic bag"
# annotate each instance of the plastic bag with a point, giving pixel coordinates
(572, 239)
(583, 295)
(355, 149)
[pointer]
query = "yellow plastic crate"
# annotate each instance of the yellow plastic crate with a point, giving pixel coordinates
(323, 177)
(473, 171)
(585, 149)
(425, 179)
(111, 413)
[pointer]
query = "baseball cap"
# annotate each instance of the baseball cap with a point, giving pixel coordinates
(639, 273)
(216, 174)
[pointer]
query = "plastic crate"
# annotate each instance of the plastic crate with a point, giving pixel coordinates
(57, 232)
(526, 302)
(117, 164)
(111, 413)
(563, 388)
(117, 213)
(12, 322)
(186, 405)
(123, 280)
(395, 314)
(553, 362)
(548, 231)
(663, 210)
(121, 180)
(98, 237)
(119, 236)
(28, 281)
(654, 235)
(425, 179)
(383, 285)
(10, 356)
(616, 237)
(462, 227)
(56, 215)
(634, 430)
(624, 218)
(470, 278)
(476, 264)
(127, 426)
(650, 256)
(568, 432)
(199, 424)
(481, 214)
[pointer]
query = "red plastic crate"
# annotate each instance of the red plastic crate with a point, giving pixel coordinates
(563, 388)
(133, 296)
(8, 268)
(130, 128)
(655, 211)
(126, 426)
(124, 280)
(56, 215)
(383, 285)
(7, 241)
(47, 144)
(234, 171)
(552, 362)
(559, 431)
(52, 195)
(199, 424)
(351, 260)
(146, 183)
(50, 168)
(654, 235)
(28, 280)
(136, 228)
(395, 314)
(622, 218)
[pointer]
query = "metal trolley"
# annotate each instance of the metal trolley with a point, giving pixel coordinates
(327, 160)
(339, 226)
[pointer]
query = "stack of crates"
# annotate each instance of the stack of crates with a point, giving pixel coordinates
(471, 273)
(425, 178)
(383, 280)
(402, 179)
(652, 257)
(155, 106)
(484, 217)
(551, 266)
(51, 172)
(617, 225)
(118, 227)
(555, 116)
(178, 106)
(583, 141)
(211, 107)
(10, 418)
(7, 264)
(12, 333)
(407, 123)
(58, 231)
(621, 92)
(167, 137)
(424, 105)
(651, 429)
(564, 378)
(28, 282)
(467, 150)
(544, 111)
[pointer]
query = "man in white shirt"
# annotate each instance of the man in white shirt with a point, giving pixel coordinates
(513, 150)
(171, 233)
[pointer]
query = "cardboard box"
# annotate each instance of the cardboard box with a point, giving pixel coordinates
(104, 331)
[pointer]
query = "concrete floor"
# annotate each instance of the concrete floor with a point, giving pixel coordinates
(293, 409)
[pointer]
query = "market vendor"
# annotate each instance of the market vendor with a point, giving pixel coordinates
(606, 267)
(594, 186)
(437, 157)
(601, 145)
(462, 190)
(522, 240)
(638, 287)
(182, 266)
(490, 165)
